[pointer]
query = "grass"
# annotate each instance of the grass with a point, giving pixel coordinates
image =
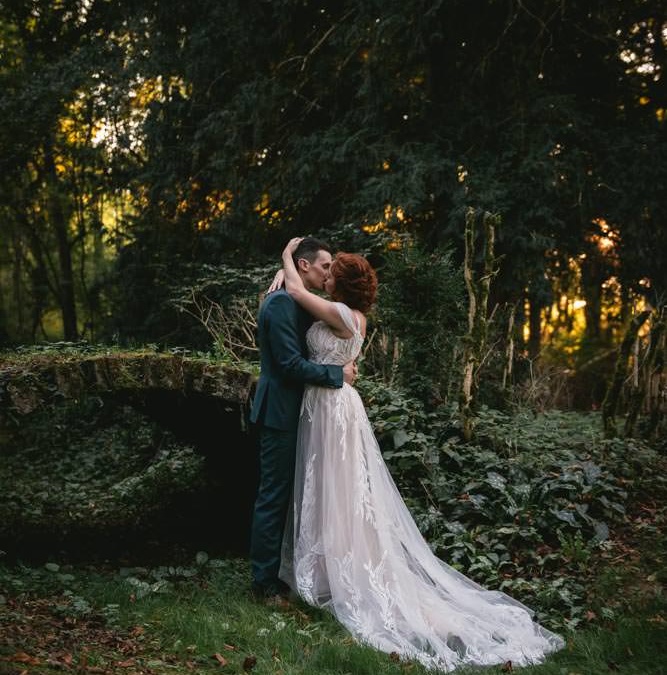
(200, 618)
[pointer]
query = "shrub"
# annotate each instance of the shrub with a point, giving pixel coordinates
(420, 310)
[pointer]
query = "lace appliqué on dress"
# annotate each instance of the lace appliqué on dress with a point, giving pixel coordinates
(352, 546)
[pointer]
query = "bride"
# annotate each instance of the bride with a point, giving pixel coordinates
(351, 545)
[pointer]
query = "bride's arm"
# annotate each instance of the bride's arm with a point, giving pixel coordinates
(315, 305)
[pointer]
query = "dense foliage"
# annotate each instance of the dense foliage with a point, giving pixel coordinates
(530, 506)
(90, 471)
(148, 148)
(156, 155)
(140, 138)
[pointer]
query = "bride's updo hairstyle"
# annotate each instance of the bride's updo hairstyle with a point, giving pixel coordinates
(356, 281)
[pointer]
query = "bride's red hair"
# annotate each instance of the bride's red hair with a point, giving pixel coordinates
(356, 281)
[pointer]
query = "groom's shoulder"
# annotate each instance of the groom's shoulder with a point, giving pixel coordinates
(281, 295)
(276, 300)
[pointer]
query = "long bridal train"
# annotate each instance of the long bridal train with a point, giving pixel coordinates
(352, 546)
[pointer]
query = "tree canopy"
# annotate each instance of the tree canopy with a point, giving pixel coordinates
(144, 140)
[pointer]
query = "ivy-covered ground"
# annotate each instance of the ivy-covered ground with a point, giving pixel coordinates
(543, 506)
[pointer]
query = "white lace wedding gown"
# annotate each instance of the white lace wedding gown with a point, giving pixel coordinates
(352, 546)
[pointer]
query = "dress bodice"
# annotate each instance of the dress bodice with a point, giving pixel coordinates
(326, 347)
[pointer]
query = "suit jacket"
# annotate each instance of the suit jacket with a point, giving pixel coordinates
(281, 336)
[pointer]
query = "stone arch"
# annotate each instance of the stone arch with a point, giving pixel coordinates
(202, 402)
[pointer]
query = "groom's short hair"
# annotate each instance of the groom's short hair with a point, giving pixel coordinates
(308, 249)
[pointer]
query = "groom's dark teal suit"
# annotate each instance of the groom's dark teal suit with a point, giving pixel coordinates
(281, 336)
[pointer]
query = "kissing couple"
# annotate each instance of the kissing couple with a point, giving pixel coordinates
(329, 523)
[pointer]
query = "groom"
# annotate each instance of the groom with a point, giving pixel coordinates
(281, 336)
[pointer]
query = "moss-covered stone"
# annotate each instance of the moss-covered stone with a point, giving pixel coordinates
(101, 450)
(30, 380)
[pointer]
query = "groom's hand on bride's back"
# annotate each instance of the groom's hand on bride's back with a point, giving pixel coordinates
(350, 372)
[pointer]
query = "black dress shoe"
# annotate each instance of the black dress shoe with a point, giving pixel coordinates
(260, 592)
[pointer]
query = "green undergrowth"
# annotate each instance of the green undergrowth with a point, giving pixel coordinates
(541, 506)
(537, 505)
(90, 467)
(199, 617)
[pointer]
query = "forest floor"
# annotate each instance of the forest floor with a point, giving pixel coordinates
(45, 630)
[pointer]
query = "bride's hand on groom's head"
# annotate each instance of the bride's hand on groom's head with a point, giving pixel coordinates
(292, 244)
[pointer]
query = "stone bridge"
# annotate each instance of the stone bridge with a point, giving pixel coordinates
(202, 402)
(32, 379)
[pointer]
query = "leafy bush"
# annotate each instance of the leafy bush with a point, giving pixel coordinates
(531, 507)
(224, 300)
(528, 507)
(420, 309)
(87, 466)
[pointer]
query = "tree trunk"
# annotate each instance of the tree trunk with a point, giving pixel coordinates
(534, 327)
(59, 224)
(652, 374)
(468, 347)
(509, 354)
(17, 287)
(592, 312)
(610, 403)
(478, 298)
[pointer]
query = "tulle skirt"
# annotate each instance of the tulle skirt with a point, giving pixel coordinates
(352, 547)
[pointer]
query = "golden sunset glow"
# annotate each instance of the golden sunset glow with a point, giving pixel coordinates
(390, 213)
(77, 130)
(608, 237)
(461, 173)
(265, 210)
(217, 203)
(159, 88)
(563, 323)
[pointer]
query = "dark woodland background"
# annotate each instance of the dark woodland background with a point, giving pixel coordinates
(156, 156)
(503, 165)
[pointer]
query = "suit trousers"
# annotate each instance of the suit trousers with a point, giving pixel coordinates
(277, 456)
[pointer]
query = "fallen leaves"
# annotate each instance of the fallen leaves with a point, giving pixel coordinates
(127, 663)
(42, 636)
(22, 657)
(38, 635)
(220, 659)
